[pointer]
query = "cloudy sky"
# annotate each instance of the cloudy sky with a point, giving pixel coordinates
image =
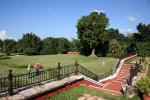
(58, 18)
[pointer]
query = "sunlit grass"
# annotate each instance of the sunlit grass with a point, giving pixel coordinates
(97, 65)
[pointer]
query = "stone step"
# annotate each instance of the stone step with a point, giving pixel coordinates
(124, 73)
(124, 70)
(127, 75)
(121, 77)
(121, 82)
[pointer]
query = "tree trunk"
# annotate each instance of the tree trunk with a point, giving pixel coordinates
(93, 52)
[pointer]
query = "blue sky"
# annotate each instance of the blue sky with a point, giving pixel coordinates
(58, 18)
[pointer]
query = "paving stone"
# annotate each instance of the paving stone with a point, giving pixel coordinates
(82, 98)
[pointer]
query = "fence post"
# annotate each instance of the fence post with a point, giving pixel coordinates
(131, 75)
(10, 84)
(76, 67)
(58, 72)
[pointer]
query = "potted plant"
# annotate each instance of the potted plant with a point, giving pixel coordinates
(143, 85)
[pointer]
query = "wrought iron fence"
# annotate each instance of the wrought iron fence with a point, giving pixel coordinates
(18, 81)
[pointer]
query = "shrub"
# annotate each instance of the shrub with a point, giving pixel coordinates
(143, 85)
(4, 57)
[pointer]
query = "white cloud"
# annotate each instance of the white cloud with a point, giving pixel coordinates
(132, 18)
(99, 11)
(126, 31)
(4, 35)
(129, 30)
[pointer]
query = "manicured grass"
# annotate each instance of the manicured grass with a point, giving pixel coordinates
(133, 60)
(75, 93)
(4, 70)
(97, 65)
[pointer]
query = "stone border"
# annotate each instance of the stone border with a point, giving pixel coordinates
(39, 90)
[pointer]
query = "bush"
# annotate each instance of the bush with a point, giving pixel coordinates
(143, 85)
(29, 51)
(13, 65)
(4, 57)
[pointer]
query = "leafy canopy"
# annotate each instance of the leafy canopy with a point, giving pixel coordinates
(90, 28)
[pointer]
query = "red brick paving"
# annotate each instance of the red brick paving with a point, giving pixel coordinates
(116, 84)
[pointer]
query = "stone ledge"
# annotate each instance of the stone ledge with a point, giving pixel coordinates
(39, 90)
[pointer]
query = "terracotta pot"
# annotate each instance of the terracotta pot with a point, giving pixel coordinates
(146, 97)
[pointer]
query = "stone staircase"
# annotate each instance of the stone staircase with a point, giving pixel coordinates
(116, 83)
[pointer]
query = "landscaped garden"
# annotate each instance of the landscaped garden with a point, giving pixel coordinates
(97, 65)
(75, 93)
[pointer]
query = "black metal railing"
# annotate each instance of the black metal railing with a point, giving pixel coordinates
(133, 72)
(87, 73)
(24, 80)
(122, 57)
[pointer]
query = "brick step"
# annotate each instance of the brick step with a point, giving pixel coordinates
(127, 64)
(127, 75)
(123, 70)
(126, 68)
(124, 73)
(121, 77)
(121, 82)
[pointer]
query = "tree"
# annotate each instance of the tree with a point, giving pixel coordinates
(114, 34)
(63, 45)
(1, 44)
(144, 31)
(9, 46)
(75, 45)
(30, 44)
(49, 46)
(90, 28)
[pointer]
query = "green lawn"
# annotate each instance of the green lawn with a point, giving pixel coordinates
(75, 93)
(133, 60)
(97, 65)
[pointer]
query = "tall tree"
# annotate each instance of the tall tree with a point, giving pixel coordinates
(1, 44)
(63, 45)
(144, 31)
(30, 44)
(49, 46)
(90, 28)
(114, 34)
(9, 46)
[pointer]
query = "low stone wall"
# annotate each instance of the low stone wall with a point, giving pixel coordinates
(118, 69)
(39, 90)
(73, 53)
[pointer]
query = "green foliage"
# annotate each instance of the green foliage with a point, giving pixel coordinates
(55, 46)
(4, 57)
(29, 51)
(75, 45)
(90, 28)
(1, 45)
(144, 85)
(9, 46)
(63, 45)
(29, 44)
(116, 49)
(114, 34)
(13, 65)
(144, 32)
(143, 49)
